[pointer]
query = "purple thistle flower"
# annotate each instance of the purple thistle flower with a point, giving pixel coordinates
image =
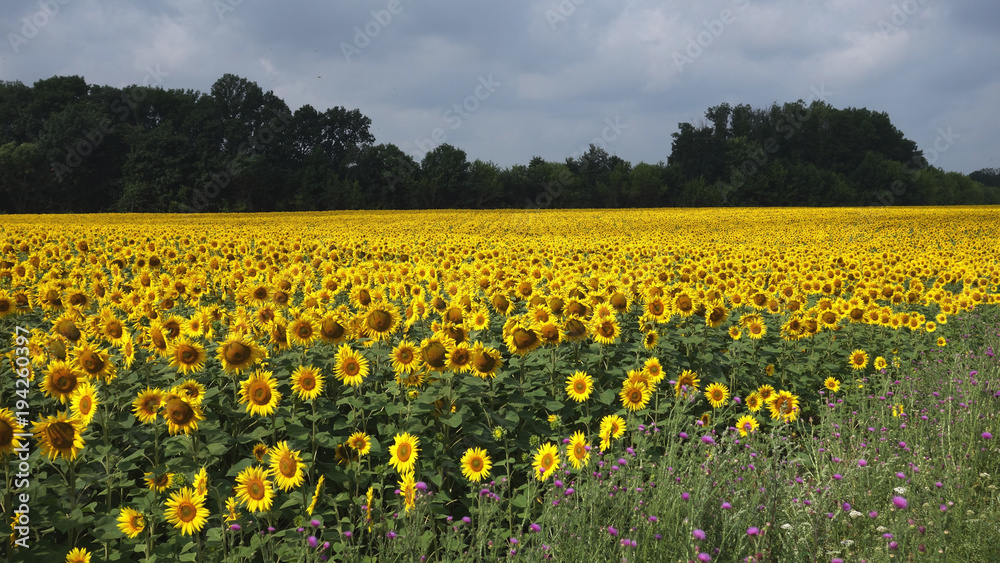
(987, 436)
(900, 502)
(535, 527)
(612, 531)
(698, 534)
(313, 542)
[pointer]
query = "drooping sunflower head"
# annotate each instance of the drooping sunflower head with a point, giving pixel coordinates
(181, 415)
(434, 352)
(59, 435)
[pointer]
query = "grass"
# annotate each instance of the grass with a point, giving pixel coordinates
(866, 482)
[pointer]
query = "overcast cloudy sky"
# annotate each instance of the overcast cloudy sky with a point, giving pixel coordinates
(506, 81)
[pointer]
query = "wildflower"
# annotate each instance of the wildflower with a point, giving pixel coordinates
(900, 502)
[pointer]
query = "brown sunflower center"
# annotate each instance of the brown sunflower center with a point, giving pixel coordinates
(524, 338)
(260, 393)
(352, 367)
(6, 434)
(403, 452)
(91, 362)
(64, 382)
(304, 330)
(619, 301)
(331, 329)
(580, 386)
(68, 329)
(287, 467)
(606, 329)
(579, 451)
(188, 355)
(260, 293)
(460, 357)
(379, 320)
(575, 328)
(684, 303)
(655, 308)
(364, 298)
(434, 354)
(162, 480)
(476, 464)
(61, 435)
(179, 412)
(485, 363)
(255, 490)
(173, 328)
(635, 396)
(186, 512)
(307, 382)
(85, 405)
(236, 353)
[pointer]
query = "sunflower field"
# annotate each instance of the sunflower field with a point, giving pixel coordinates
(429, 385)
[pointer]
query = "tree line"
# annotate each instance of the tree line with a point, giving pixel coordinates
(68, 146)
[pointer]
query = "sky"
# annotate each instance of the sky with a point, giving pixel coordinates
(507, 81)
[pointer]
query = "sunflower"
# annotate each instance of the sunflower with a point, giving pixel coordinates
(485, 361)
(254, 490)
(181, 415)
(405, 358)
(858, 359)
(880, 363)
(613, 425)
(307, 382)
(192, 391)
(404, 451)
(360, 442)
(61, 380)
(408, 490)
(316, 493)
(784, 405)
(415, 379)
(689, 380)
(112, 328)
(260, 393)
(83, 403)
(260, 450)
(765, 392)
(735, 333)
(78, 555)
(434, 351)
(238, 353)
(546, 461)
(459, 359)
(574, 329)
(131, 522)
(9, 430)
(716, 316)
(480, 320)
(302, 331)
(754, 402)
(159, 482)
(66, 326)
(351, 367)
(605, 330)
(379, 321)
(476, 464)
(655, 371)
(59, 436)
(650, 339)
(756, 329)
(747, 424)
(334, 329)
(832, 383)
(7, 304)
(95, 362)
(930, 326)
(147, 405)
(942, 342)
(579, 386)
(716, 393)
(186, 511)
(286, 466)
(200, 481)
(521, 338)
(578, 450)
(635, 395)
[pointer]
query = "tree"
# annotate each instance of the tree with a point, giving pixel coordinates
(20, 163)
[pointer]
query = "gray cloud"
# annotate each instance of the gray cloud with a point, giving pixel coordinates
(564, 68)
